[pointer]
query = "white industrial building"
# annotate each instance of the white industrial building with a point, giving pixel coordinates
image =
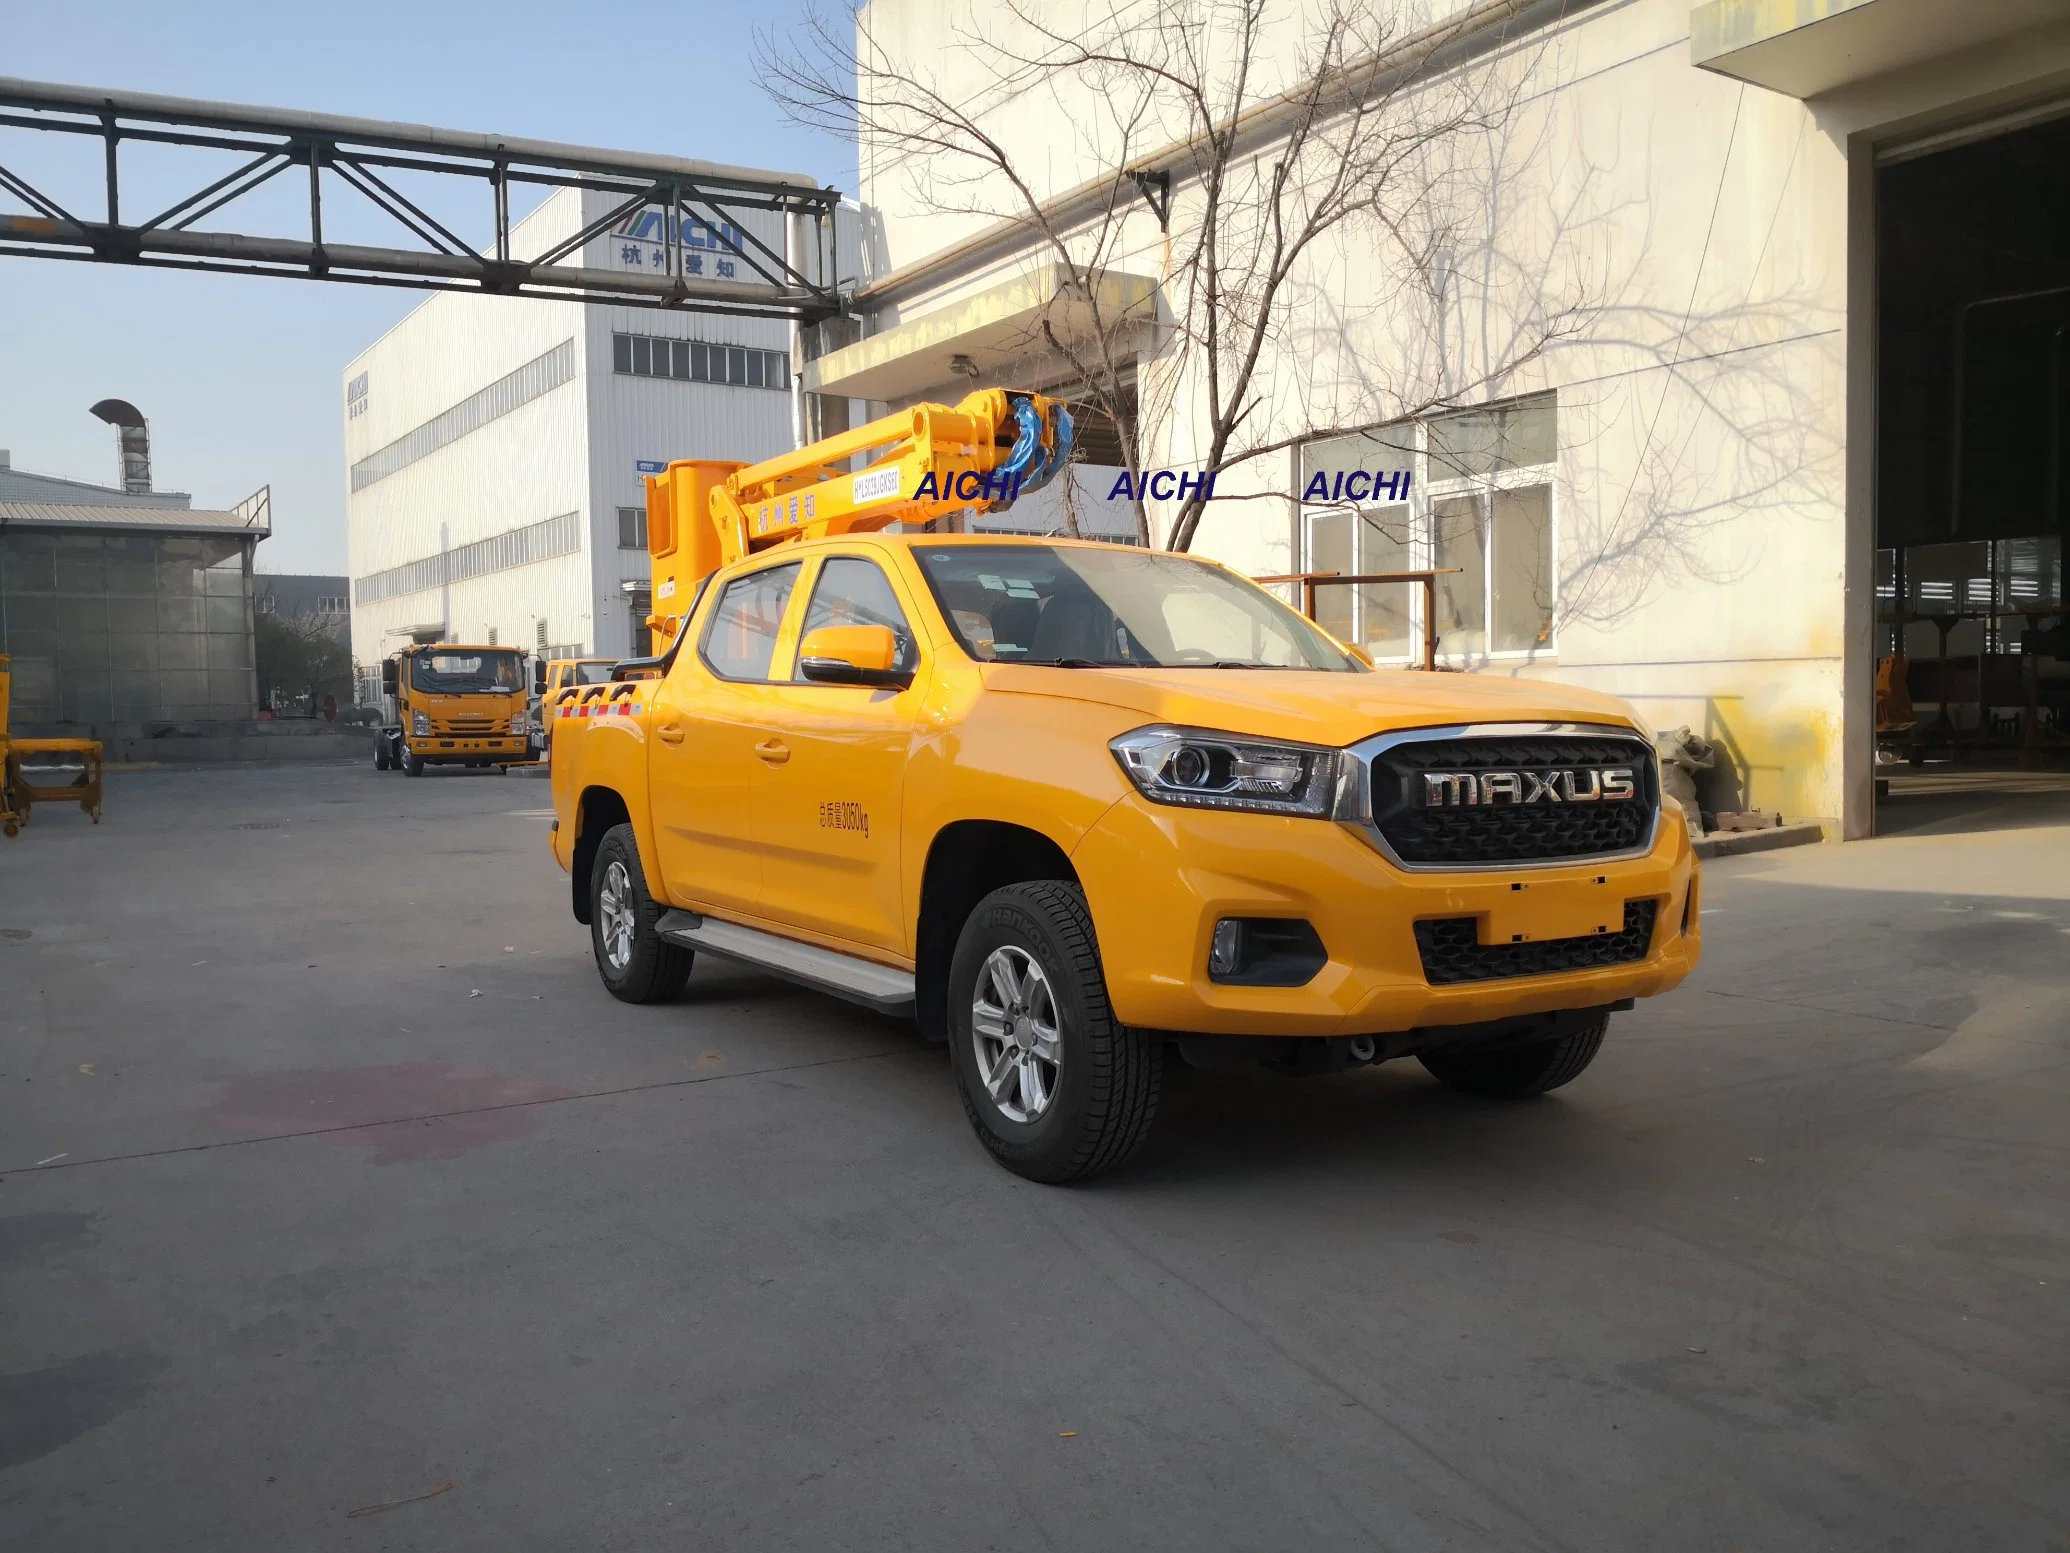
(497, 446)
(1804, 404)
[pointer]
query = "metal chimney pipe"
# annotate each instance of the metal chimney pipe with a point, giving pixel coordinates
(132, 441)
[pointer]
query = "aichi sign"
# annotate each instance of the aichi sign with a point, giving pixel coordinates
(710, 248)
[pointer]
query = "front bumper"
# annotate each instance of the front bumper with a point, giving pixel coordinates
(495, 746)
(1158, 879)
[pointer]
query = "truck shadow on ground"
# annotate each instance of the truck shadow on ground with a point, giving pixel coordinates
(1830, 1011)
(1390, 1125)
(1840, 1028)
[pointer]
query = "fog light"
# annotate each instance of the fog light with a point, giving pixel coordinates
(1265, 952)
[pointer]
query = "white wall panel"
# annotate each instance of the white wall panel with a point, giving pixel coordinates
(635, 419)
(576, 448)
(522, 468)
(1701, 511)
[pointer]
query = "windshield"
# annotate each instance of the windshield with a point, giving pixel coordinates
(465, 672)
(1116, 608)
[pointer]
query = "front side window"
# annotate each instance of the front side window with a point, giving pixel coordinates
(740, 642)
(1116, 608)
(466, 673)
(855, 592)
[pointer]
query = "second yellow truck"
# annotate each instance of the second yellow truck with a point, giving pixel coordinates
(449, 704)
(1070, 805)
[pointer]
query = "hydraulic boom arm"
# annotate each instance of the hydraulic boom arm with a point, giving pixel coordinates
(926, 462)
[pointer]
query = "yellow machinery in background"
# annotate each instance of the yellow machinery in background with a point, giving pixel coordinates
(21, 775)
(925, 462)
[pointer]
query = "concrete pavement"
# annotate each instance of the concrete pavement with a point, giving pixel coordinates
(330, 1177)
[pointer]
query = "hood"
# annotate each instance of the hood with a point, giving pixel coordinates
(1313, 708)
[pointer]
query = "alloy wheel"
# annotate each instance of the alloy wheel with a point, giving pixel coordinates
(615, 909)
(1015, 1031)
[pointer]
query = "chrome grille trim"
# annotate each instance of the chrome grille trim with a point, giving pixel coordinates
(1354, 806)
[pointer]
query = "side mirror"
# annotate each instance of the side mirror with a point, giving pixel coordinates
(852, 655)
(388, 676)
(538, 676)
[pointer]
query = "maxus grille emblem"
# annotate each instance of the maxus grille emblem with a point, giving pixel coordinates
(1473, 789)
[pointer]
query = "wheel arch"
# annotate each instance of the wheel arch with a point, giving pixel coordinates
(966, 861)
(597, 809)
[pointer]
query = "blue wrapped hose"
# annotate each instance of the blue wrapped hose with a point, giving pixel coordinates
(1038, 452)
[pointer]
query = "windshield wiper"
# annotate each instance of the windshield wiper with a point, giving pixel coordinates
(1065, 663)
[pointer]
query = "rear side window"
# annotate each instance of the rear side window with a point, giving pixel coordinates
(740, 643)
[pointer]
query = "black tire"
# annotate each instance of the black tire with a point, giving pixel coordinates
(652, 970)
(412, 762)
(1518, 1072)
(380, 752)
(1102, 1091)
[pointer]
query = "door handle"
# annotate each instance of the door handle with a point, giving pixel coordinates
(669, 733)
(774, 751)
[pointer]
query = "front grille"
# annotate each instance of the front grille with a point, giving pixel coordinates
(1494, 834)
(470, 725)
(1452, 950)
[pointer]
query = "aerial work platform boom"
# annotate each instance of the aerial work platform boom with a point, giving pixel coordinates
(925, 462)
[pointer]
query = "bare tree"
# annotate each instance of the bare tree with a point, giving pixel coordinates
(300, 655)
(1304, 180)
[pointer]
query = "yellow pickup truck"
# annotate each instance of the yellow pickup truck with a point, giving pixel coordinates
(1071, 805)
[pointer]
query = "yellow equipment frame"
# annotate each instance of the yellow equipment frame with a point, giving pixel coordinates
(19, 792)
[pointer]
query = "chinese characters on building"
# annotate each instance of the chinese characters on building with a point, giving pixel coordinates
(708, 248)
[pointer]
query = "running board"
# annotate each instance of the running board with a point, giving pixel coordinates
(876, 986)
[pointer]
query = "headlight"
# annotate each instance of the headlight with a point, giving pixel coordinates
(420, 725)
(1201, 769)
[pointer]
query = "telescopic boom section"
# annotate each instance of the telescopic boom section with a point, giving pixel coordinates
(925, 462)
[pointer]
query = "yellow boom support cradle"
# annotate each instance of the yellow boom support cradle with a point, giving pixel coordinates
(703, 514)
(23, 785)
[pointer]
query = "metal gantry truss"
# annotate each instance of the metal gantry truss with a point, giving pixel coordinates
(357, 159)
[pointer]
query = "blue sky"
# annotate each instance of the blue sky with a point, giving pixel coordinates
(238, 376)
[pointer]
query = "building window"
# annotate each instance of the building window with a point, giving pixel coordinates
(1469, 494)
(697, 361)
(492, 636)
(539, 635)
(632, 528)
